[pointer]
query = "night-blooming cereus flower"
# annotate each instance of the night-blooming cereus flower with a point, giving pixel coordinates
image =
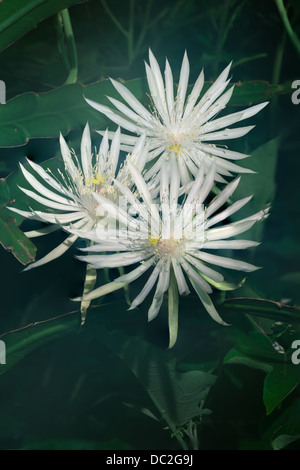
(71, 193)
(181, 127)
(172, 240)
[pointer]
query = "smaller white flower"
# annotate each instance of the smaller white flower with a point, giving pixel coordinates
(184, 128)
(171, 239)
(71, 193)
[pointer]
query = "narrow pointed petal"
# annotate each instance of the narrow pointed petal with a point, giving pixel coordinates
(229, 230)
(56, 253)
(207, 303)
(42, 189)
(222, 197)
(182, 86)
(131, 100)
(226, 262)
(86, 152)
(147, 287)
(48, 202)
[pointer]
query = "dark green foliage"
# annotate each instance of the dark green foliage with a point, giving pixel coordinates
(113, 384)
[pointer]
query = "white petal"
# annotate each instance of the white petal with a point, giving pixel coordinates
(145, 193)
(229, 230)
(116, 118)
(195, 276)
(58, 251)
(214, 275)
(47, 202)
(155, 94)
(227, 134)
(159, 82)
(182, 86)
(181, 282)
(42, 231)
(208, 305)
(137, 272)
(197, 88)
(230, 244)
(155, 307)
(147, 287)
(169, 90)
(51, 181)
(131, 100)
(86, 152)
(228, 212)
(222, 197)
(115, 260)
(68, 161)
(41, 189)
(226, 262)
(103, 290)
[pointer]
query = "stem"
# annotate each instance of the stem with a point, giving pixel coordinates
(71, 46)
(126, 288)
(114, 19)
(131, 33)
(90, 280)
(278, 60)
(89, 284)
(293, 36)
(248, 59)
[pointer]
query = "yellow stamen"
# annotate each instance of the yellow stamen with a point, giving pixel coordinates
(153, 241)
(97, 179)
(176, 148)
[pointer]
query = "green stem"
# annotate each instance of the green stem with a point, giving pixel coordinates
(131, 33)
(89, 284)
(90, 280)
(278, 60)
(248, 59)
(71, 45)
(126, 288)
(114, 19)
(292, 35)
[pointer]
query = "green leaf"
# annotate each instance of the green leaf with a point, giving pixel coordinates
(19, 16)
(22, 342)
(262, 308)
(262, 185)
(45, 115)
(284, 440)
(67, 444)
(175, 395)
(11, 237)
(258, 351)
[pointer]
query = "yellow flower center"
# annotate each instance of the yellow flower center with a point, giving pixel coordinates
(153, 241)
(164, 247)
(97, 179)
(176, 148)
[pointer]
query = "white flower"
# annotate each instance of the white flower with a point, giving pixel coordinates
(181, 127)
(71, 194)
(171, 239)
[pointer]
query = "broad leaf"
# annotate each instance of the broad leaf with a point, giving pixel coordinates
(11, 237)
(177, 396)
(17, 17)
(258, 351)
(47, 114)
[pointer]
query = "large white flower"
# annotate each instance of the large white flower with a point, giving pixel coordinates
(172, 239)
(181, 127)
(71, 193)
